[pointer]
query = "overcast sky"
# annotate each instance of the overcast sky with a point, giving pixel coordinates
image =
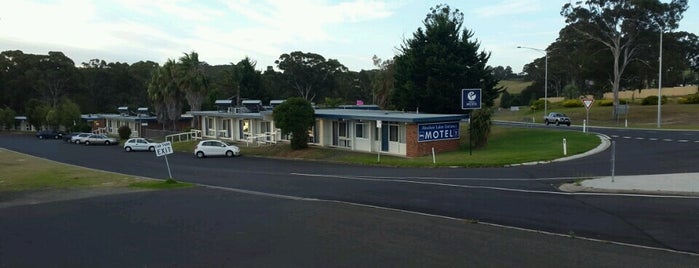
(224, 32)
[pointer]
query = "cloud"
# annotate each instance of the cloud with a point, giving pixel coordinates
(508, 7)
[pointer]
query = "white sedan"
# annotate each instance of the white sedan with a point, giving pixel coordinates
(139, 144)
(214, 147)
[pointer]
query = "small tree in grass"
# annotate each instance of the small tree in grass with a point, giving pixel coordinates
(124, 132)
(295, 116)
(480, 125)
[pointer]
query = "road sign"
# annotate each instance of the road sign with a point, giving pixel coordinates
(164, 148)
(378, 123)
(588, 103)
(471, 99)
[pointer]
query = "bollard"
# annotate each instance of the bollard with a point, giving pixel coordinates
(565, 147)
(434, 161)
(584, 126)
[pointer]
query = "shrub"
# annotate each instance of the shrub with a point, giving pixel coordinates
(124, 132)
(653, 100)
(691, 99)
(537, 105)
(572, 103)
(605, 102)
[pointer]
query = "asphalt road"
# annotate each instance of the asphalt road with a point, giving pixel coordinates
(524, 197)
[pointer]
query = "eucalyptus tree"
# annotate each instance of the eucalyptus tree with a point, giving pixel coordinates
(616, 24)
(384, 81)
(309, 74)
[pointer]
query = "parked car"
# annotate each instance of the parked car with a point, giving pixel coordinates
(215, 148)
(68, 136)
(79, 138)
(100, 139)
(139, 144)
(557, 118)
(49, 134)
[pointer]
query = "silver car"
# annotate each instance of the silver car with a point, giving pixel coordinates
(215, 148)
(139, 144)
(79, 138)
(100, 139)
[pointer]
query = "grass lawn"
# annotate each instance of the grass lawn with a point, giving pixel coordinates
(506, 146)
(22, 172)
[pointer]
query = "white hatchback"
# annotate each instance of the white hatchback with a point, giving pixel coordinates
(139, 144)
(214, 147)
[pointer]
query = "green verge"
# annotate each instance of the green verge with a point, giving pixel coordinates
(505, 146)
(160, 185)
(21, 172)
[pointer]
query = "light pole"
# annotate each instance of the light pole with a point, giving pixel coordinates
(546, 76)
(660, 74)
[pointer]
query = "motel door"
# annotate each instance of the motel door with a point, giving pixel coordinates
(384, 138)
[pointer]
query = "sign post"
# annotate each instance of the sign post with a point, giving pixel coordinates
(588, 103)
(378, 156)
(164, 149)
(470, 100)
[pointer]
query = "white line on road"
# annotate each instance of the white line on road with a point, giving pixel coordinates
(653, 139)
(682, 141)
(668, 140)
(489, 187)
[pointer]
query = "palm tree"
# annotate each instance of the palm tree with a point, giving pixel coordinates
(192, 81)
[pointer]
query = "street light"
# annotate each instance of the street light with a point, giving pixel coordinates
(546, 76)
(660, 74)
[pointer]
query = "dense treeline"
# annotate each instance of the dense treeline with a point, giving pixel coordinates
(40, 85)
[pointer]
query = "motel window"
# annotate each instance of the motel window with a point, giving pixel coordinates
(342, 129)
(359, 130)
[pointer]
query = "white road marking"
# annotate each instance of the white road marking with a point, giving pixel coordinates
(297, 198)
(640, 138)
(627, 137)
(668, 140)
(682, 141)
(653, 139)
(615, 136)
(502, 189)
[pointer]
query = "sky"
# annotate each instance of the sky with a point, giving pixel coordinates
(224, 32)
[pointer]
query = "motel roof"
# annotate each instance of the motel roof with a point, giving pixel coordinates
(393, 116)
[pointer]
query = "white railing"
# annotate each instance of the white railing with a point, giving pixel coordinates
(102, 130)
(184, 136)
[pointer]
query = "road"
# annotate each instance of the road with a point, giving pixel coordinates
(523, 196)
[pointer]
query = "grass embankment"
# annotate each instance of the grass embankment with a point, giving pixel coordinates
(506, 146)
(22, 172)
(673, 116)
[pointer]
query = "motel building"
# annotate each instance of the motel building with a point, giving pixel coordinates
(362, 128)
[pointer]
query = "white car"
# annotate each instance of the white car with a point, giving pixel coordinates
(139, 144)
(214, 147)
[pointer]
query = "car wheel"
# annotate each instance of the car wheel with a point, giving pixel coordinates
(568, 124)
(87, 142)
(229, 153)
(41, 137)
(107, 143)
(558, 123)
(128, 149)
(200, 154)
(151, 149)
(55, 137)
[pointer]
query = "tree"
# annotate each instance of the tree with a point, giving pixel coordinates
(617, 24)
(68, 114)
(249, 79)
(309, 73)
(192, 81)
(295, 116)
(384, 81)
(7, 118)
(36, 111)
(438, 62)
(165, 93)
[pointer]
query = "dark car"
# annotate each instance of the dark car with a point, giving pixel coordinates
(49, 134)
